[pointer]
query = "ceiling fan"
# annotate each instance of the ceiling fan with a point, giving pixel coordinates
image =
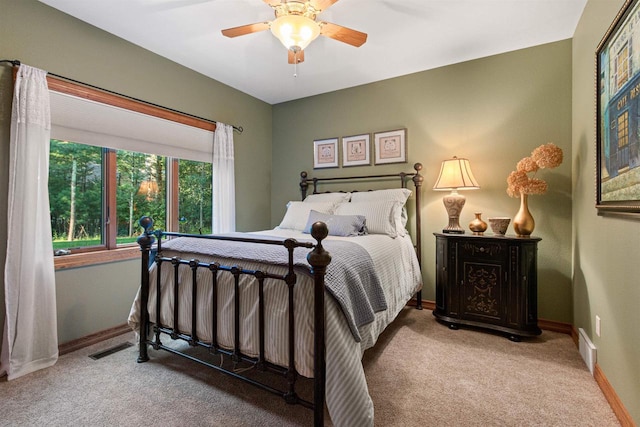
(296, 26)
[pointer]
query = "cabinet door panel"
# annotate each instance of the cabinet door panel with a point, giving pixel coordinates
(515, 289)
(482, 289)
(482, 281)
(452, 299)
(441, 274)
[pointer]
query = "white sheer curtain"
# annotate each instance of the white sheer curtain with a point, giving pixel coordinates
(224, 187)
(30, 338)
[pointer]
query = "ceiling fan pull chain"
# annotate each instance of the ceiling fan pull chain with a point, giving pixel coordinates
(295, 64)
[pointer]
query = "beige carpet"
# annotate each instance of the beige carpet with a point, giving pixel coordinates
(419, 373)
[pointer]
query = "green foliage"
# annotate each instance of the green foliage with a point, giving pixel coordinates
(88, 188)
(66, 244)
(140, 190)
(195, 190)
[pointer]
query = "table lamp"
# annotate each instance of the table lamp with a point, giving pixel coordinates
(455, 174)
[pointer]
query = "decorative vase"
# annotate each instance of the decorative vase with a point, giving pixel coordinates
(499, 225)
(478, 226)
(523, 222)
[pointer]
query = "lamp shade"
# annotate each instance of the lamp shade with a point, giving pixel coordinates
(455, 174)
(148, 188)
(295, 30)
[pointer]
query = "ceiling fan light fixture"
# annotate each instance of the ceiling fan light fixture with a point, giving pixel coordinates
(295, 31)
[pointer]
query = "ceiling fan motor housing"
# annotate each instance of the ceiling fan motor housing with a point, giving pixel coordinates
(301, 8)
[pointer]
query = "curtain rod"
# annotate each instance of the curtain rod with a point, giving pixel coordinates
(16, 63)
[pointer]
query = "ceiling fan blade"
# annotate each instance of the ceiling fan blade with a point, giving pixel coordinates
(343, 34)
(293, 57)
(245, 29)
(320, 5)
(272, 3)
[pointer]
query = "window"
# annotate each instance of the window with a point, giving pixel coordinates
(623, 129)
(622, 66)
(140, 190)
(79, 197)
(195, 197)
(623, 141)
(113, 160)
(75, 194)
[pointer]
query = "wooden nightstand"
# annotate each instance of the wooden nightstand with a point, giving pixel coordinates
(488, 282)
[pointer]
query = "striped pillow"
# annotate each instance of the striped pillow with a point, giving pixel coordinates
(328, 197)
(380, 216)
(394, 194)
(390, 194)
(338, 225)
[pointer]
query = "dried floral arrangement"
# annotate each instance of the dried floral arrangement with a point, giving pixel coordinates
(519, 182)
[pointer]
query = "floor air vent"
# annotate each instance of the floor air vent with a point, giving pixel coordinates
(107, 352)
(587, 349)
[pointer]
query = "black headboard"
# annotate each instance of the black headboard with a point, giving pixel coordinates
(402, 178)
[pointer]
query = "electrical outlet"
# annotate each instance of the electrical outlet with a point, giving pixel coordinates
(597, 325)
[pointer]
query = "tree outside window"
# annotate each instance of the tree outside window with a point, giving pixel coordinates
(79, 194)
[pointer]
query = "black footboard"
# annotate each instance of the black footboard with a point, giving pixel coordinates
(318, 258)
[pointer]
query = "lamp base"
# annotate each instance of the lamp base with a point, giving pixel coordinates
(454, 203)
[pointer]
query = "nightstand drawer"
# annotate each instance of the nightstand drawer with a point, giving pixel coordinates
(481, 249)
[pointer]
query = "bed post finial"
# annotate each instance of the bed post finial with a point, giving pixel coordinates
(417, 177)
(145, 241)
(304, 186)
(319, 260)
(146, 223)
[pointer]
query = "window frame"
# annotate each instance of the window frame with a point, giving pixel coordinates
(110, 251)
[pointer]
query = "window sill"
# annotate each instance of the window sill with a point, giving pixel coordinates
(97, 257)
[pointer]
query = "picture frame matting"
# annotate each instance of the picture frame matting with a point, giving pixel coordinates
(390, 146)
(325, 153)
(356, 150)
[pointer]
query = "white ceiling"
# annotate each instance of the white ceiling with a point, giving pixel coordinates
(404, 36)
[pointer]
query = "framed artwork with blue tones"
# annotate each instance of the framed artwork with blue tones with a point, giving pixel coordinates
(618, 114)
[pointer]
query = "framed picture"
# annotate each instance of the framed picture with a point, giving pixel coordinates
(618, 114)
(355, 150)
(391, 146)
(325, 153)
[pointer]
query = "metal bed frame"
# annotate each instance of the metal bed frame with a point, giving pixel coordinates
(318, 258)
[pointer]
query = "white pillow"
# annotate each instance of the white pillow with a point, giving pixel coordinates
(391, 194)
(380, 216)
(298, 212)
(328, 197)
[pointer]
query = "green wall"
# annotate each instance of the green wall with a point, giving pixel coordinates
(605, 252)
(99, 297)
(493, 111)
